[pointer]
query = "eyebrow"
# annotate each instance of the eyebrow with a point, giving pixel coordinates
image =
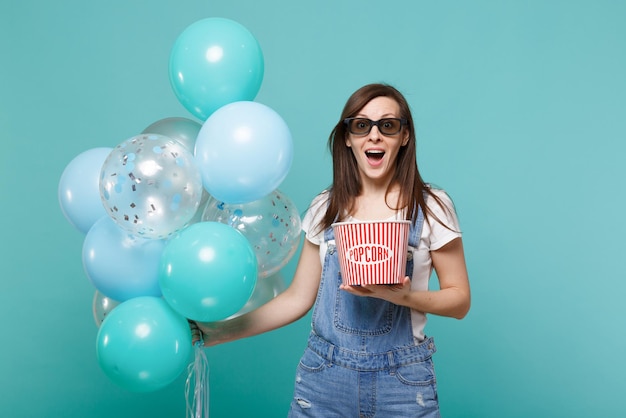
(385, 116)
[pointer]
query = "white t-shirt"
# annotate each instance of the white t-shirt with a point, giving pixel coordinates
(434, 236)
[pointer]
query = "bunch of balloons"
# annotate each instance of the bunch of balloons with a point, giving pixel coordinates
(184, 220)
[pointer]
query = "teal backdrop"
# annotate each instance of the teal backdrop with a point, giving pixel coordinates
(520, 109)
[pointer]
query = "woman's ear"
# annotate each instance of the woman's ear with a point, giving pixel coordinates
(405, 137)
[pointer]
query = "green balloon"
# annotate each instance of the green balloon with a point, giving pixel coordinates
(208, 271)
(215, 61)
(143, 345)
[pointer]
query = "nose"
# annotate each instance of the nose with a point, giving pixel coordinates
(374, 134)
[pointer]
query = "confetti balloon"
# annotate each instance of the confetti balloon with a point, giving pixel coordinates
(151, 186)
(271, 225)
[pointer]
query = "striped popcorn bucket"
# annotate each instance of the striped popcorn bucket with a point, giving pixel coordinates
(372, 252)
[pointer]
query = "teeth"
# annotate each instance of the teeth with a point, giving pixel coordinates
(375, 152)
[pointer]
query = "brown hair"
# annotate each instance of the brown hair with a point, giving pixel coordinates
(347, 185)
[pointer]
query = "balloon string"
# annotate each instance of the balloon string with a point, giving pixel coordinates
(197, 384)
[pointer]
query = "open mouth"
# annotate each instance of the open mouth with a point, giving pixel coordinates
(375, 155)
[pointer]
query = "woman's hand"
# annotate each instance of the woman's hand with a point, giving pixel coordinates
(453, 298)
(214, 333)
(394, 293)
(206, 334)
(196, 334)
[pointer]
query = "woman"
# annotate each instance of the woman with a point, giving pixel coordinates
(367, 354)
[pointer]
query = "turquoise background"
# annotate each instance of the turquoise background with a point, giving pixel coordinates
(520, 109)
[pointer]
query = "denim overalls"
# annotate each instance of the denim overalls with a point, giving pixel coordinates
(362, 359)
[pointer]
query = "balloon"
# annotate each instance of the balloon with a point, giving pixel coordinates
(151, 186)
(119, 265)
(265, 290)
(143, 345)
(208, 271)
(102, 306)
(215, 61)
(79, 193)
(182, 130)
(271, 225)
(244, 151)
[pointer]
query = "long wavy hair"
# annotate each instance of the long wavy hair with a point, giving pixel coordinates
(346, 185)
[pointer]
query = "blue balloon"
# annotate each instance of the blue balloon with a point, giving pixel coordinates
(208, 271)
(143, 345)
(119, 265)
(244, 152)
(79, 190)
(213, 62)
